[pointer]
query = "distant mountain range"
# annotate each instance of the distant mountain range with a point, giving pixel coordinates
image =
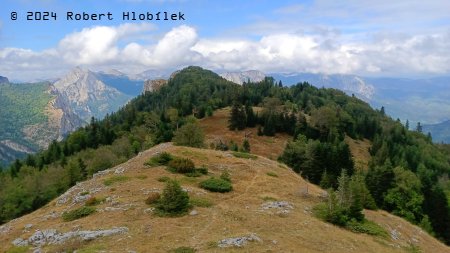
(34, 114)
(440, 132)
(244, 76)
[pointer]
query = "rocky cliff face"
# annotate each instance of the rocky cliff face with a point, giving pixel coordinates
(68, 121)
(61, 120)
(88, 96)
(241, 77)
(152, 85)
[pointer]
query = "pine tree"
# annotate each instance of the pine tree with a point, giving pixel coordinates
(260, 131)
(238, 118)
(419, 127)
(251, 117)
(407, 125)
(269, 126)
(82, 167)
(173, 199)
(246, 146)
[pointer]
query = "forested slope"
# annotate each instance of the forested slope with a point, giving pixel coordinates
(406, 176)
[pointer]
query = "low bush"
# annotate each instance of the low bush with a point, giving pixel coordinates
(271, 174)
(202, 170)
(182, 165)
(367, 227)
(244, 155)
(78, 213)
(115, 179)
(162, 159)
(163, 179)
(216, 185)
(152, 198)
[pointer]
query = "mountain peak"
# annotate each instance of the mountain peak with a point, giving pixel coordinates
(112, 72)
(91, 96)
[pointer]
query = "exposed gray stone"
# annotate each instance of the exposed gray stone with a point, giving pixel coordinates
(277, 204)
(119, 170)
(4, 229)
(51, 215)
(51, 236)
(101, 173)
(20, 242)
(395, 235)
(193, 213)
(238, 241)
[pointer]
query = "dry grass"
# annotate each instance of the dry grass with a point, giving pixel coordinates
(233, 214)
(220, 215)
(216, 129)
(360, 152)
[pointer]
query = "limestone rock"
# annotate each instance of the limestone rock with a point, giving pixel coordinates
(152, 85)
(238, 241)
(52, 236)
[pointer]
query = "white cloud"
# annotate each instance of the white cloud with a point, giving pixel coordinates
(326, 52)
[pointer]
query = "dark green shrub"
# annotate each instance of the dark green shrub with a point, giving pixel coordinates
(173, 201)
(78, 213)
(162, 159)
(202, 170)
(367, 227)
(163, 179)
(216, 185)
(244, 155)
(182, 165)
(221, 146)
(153, 198)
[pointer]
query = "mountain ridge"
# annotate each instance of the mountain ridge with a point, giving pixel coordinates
(288, 221)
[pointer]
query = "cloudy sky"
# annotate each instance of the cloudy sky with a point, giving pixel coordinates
(370, 38)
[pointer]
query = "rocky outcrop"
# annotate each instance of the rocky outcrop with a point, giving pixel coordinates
(69, 120)
(152, 85)
(244, 76)
(238, 241)
(52, 236)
